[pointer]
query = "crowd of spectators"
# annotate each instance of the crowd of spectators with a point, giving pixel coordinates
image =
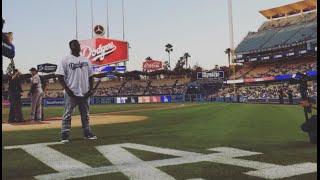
(132, 89)
(167, 90)
(283, 69)
(108, 91)
(266, 91)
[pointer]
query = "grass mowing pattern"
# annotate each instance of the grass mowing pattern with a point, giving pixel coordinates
(271, 129)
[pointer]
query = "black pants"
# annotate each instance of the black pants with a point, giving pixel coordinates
(15, 114)
(281, 100)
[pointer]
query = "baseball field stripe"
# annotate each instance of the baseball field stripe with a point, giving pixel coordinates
(118, 156)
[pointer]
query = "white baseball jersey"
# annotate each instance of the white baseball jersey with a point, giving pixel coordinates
(76, 72)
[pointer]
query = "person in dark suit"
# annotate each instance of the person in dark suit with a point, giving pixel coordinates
(280, 93)
(290, 97)
(15, 93)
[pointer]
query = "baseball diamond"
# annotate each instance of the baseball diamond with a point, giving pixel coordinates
(159, 90)
(163, 148)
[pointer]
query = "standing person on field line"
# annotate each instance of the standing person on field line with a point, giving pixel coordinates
(36, 95)
(75, 74)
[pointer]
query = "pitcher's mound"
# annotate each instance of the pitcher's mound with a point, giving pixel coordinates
(95, 119)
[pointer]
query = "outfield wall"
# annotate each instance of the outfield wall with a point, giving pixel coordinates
(113, 100)
(159, 99)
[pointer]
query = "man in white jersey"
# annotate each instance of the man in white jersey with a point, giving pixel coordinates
(36, 95)
(75, 74)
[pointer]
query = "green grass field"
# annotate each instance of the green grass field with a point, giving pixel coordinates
(272, 130)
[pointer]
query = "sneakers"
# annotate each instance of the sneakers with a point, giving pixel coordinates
(90, 136)
(64, 138)
(64, 141)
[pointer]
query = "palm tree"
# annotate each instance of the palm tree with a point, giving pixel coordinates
(228, 51)
(186, 56)
(166, 65)
(179, 65)
(169, 49)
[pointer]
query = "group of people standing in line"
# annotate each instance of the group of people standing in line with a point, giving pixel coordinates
(15, 92)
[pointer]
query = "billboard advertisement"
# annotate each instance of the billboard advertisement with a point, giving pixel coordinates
(107, 68)
(102, 100)
(47, 68)
(210, 75)
(103, 51)
(166, 99)
(152, 65)
(132, 100)
(121, 100)
(127, 100)
(155, 99)
(144, 99)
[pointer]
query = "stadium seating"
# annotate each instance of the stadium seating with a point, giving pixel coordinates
(280, 32)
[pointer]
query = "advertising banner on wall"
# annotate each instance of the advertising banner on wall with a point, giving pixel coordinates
(107, 68)
(152, 65)
(127, 100)
(103, 51)
(155, 99)
(144, 99)
(166, 99)
(121, 100)
(133, 100)
(102, 100)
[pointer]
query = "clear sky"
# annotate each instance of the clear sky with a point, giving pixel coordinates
(43, 28)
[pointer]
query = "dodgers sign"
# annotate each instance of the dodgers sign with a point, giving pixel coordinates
(103, 51)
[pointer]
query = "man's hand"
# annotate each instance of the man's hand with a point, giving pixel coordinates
(69, 92)
(304, 103)
(88, 94)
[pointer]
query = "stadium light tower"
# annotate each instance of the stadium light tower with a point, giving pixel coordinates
(123, 31)
(232, 45)
(108, 18)
(76, 6)
(91, 20)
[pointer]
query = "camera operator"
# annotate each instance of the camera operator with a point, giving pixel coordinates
(310, 125)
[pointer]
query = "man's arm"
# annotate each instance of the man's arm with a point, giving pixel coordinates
(307, 104)
(64, 85)
(91, 79)
(33, 88)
